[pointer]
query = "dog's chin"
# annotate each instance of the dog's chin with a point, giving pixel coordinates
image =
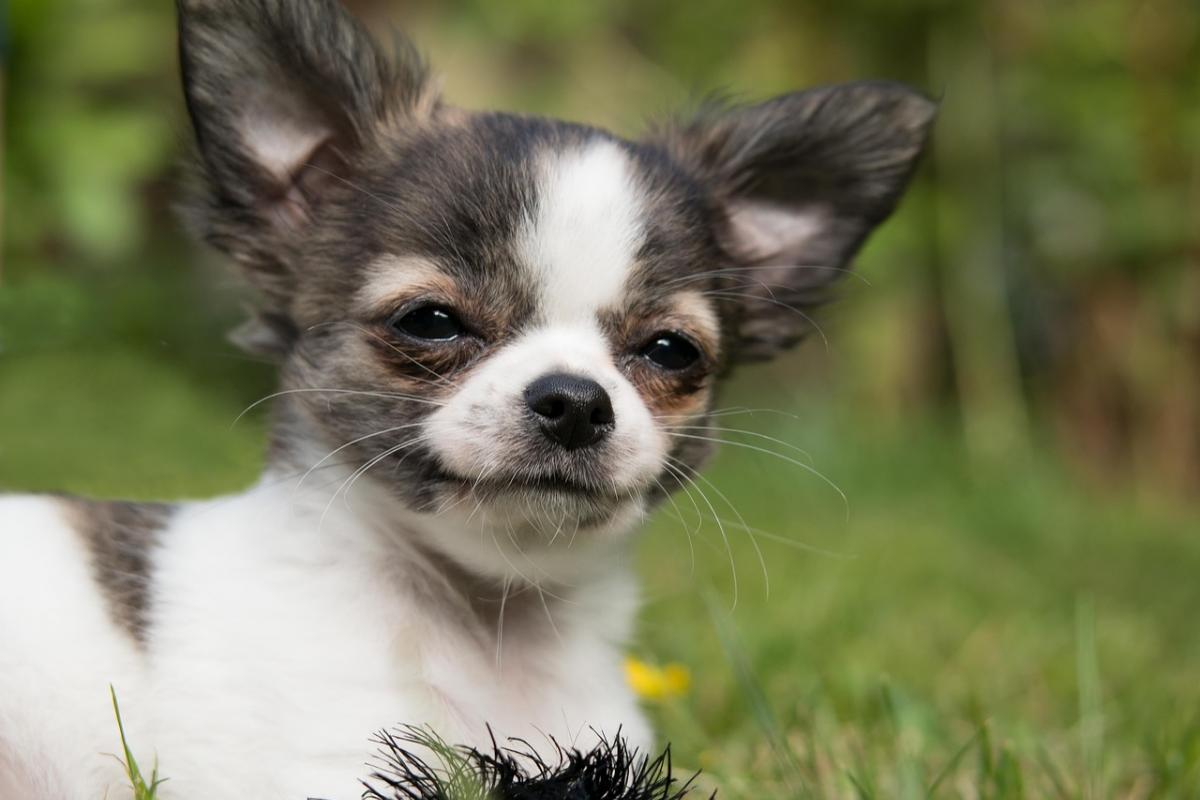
(546, 498)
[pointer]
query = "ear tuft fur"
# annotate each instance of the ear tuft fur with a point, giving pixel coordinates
(284, 97)
(801, 180)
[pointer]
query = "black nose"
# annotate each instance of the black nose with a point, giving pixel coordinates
(573, 411)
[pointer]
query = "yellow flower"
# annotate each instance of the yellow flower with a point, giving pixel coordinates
(655, 683)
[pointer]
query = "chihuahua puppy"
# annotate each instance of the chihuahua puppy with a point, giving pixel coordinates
(490, 328)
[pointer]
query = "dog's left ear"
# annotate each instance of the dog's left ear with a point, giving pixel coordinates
(284, 96)
(800, 181)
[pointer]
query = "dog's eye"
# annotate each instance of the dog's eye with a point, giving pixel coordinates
(432, 322)
(670, 351)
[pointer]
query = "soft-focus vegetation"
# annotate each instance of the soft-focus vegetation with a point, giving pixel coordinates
(1005, 604)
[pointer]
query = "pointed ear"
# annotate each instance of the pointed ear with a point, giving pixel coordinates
(283, 95)
(800, 182)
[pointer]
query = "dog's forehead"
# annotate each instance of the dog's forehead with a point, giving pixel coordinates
(582, 241)
(561, 221)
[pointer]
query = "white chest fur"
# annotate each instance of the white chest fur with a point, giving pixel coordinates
(279, 643)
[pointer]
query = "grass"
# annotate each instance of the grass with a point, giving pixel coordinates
(996, 632)
(974, 630)
(143, 788)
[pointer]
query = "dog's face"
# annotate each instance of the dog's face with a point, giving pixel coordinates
(506, 319)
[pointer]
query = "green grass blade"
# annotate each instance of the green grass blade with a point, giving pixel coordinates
(756, 700)
(142, 790)
(952, 764)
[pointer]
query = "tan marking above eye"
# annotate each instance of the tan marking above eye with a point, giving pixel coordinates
(391, 280)
(696, 308)
(688, 313)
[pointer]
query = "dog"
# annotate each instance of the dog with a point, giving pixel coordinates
(499, 339)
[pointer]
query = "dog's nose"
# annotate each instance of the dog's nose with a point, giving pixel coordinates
(572, 411)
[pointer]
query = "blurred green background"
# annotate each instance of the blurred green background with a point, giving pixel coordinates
(1007, 602)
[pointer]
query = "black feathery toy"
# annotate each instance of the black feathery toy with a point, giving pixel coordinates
(609, 771)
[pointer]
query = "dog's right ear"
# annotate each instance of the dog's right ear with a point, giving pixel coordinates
(283, 96)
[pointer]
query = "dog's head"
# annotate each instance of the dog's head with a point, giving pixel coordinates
(509, 321)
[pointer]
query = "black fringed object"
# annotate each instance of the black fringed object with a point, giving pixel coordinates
(609, 771)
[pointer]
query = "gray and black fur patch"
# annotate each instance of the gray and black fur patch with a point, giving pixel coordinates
(121, 537)
(309, 71)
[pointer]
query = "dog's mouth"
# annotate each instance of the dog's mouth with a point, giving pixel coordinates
(547, 484)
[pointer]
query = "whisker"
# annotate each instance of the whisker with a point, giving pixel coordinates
(756, 434)
(762, 562)
(500, 621)
(549, 616)
(521, 552)
(781, 304)
(530, 583)
(361, 471)
(388, 395)
(574, 533)
(679, 515)
(351, 443)
(720, 527)
(415, 441)
(562, 521)
(508, 561)
(279, 480)
(801, 464)
(780, 539)
(355, 187)
(789, 542)
(728, 412)
(441, 379)
(767, 267)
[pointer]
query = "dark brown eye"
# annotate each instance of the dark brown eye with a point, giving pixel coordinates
(670, 351)
(430, 322)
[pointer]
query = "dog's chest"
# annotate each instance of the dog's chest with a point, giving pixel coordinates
(279, 666)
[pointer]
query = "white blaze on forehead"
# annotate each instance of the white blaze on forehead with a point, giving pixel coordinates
(586, 231)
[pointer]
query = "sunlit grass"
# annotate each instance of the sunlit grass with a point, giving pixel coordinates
(987, 630)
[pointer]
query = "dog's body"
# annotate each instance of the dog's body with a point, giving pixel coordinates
(499, 339)
(274, 649)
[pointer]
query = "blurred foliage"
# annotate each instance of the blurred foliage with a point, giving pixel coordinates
(1035, 303)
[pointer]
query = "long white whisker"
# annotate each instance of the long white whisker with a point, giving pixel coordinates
(781, 304)
(698, 276)
(521, 552)
(500, 621)
(720, 527)
(695, 505)
(509, 562)
(784, 540)
(755, 434)
(679, 515)
(779, 538)
(801, 464)
(351, 443)
(549, 616)
(441, 379)
(728, 412)
(362, 470)
(387, 395)
(762, 562)
(349, 487)
(354, 186)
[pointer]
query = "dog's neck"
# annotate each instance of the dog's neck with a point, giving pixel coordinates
(496, 589)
